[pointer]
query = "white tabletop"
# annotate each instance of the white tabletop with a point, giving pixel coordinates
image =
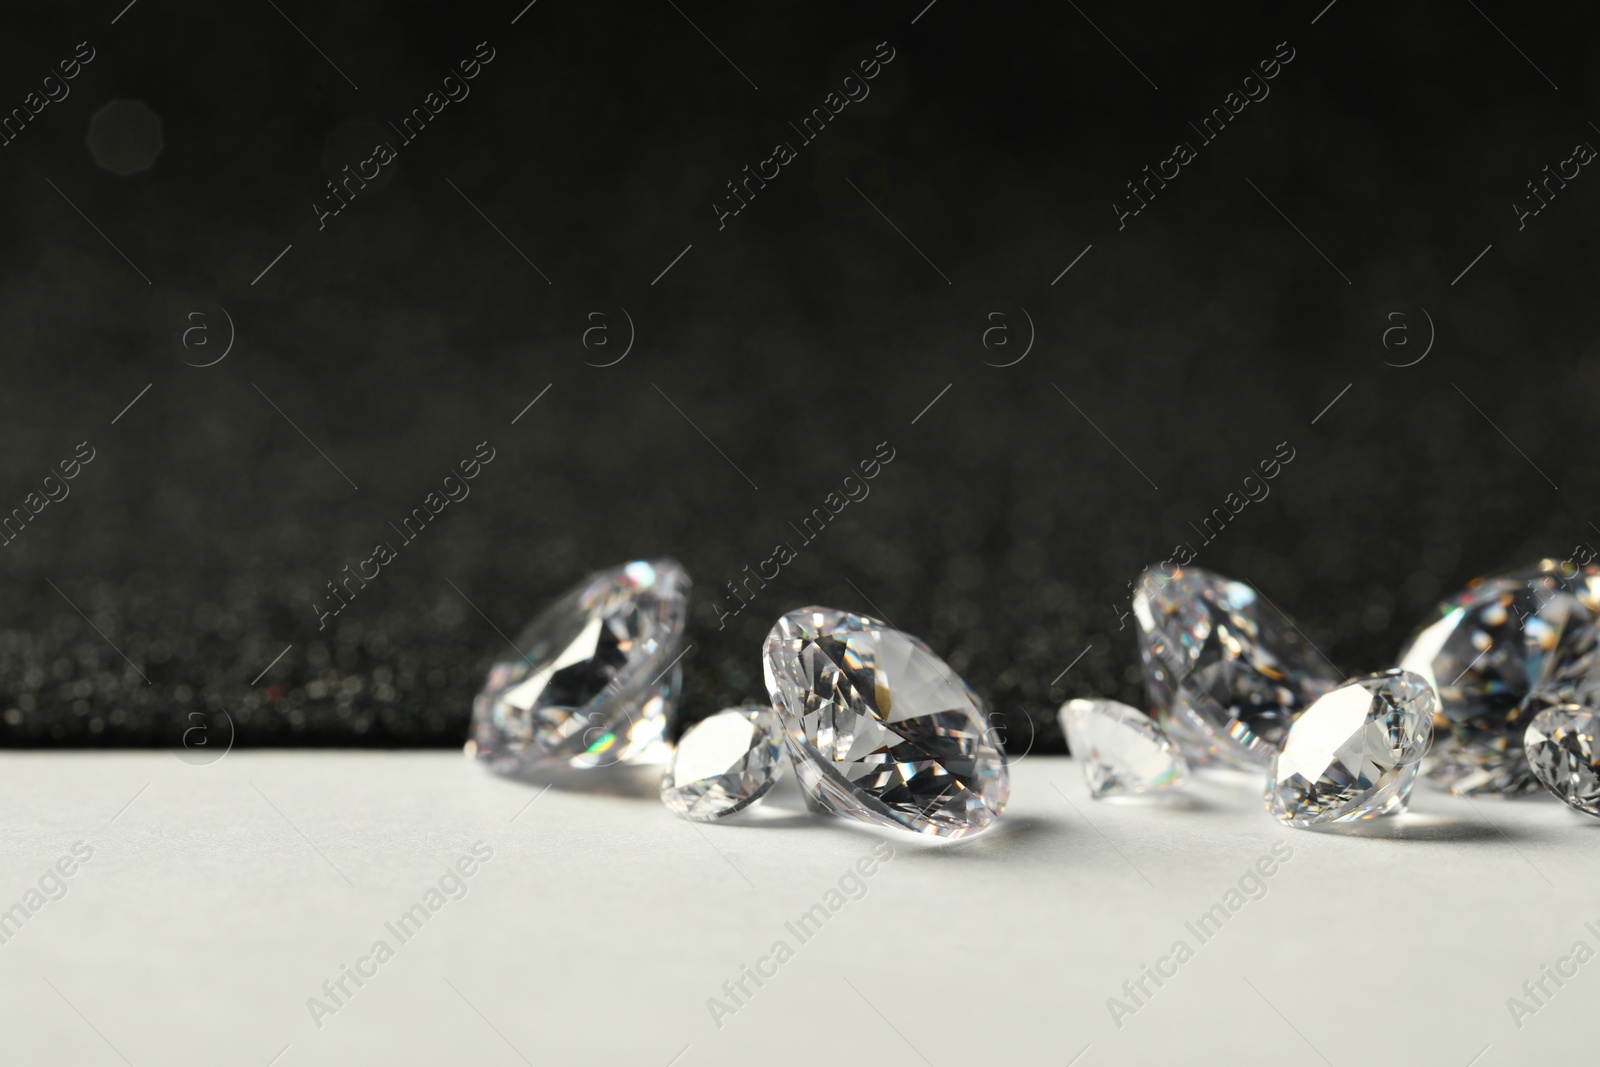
(215, 905)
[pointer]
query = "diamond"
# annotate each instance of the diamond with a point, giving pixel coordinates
(1563, 747)
(879, 728)
(1354, 753)
(595, 677)
(724, 763)
(1226, 670)
(1120, 750)
(1497, 653)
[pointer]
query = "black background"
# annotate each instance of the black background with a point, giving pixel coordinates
(797, 338)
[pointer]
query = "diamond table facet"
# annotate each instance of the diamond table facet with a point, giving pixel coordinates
(1120, 750)
(594, 678)
(724, 763)
(1354, 753)
(879, 728)
(1226, 670)
(1563, 747)
(1497, 653)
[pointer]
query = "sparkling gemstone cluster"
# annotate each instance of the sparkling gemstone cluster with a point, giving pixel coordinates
(877, 727)
(1507, 672)
(1498, 653)
(1232, 679)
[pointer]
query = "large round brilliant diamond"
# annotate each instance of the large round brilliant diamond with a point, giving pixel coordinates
(879, 728)
(1354, 753)
(1225, 669)
(593, 678)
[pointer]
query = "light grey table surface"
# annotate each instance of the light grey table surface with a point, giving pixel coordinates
(216, 901)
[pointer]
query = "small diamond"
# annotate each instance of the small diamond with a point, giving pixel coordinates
(1354, 753)
(1498, 652)
(724, 763)
(1226, 670)
(1119, 749)
(1563, 746)
(879, 728)
(595, 679)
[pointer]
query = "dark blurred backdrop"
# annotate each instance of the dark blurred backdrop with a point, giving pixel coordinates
(894, 262)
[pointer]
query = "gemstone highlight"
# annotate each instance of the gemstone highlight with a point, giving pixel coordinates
(1354, 753)
(1120, 750)
(594, 678)
(1563, 747)
(1226, 671)
(724, 763)
(879, 728)
(1497, 653)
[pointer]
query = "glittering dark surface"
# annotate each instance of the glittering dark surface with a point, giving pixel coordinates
(1169, 362)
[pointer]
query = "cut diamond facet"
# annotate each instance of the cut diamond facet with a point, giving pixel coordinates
(595, 678)
(1120, 750)
(1226, 671)
(1563, 747)
(1354, 753)
(879, 728)
(724, 763)
(1497, 653)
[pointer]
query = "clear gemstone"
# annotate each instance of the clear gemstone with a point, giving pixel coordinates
(879, 728)
(1354, 753)
(595, 678)
(1225, 669)
(724, 763)
(1572, 668)
(1563, 747)
(1120, 750)
(1498, 652)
